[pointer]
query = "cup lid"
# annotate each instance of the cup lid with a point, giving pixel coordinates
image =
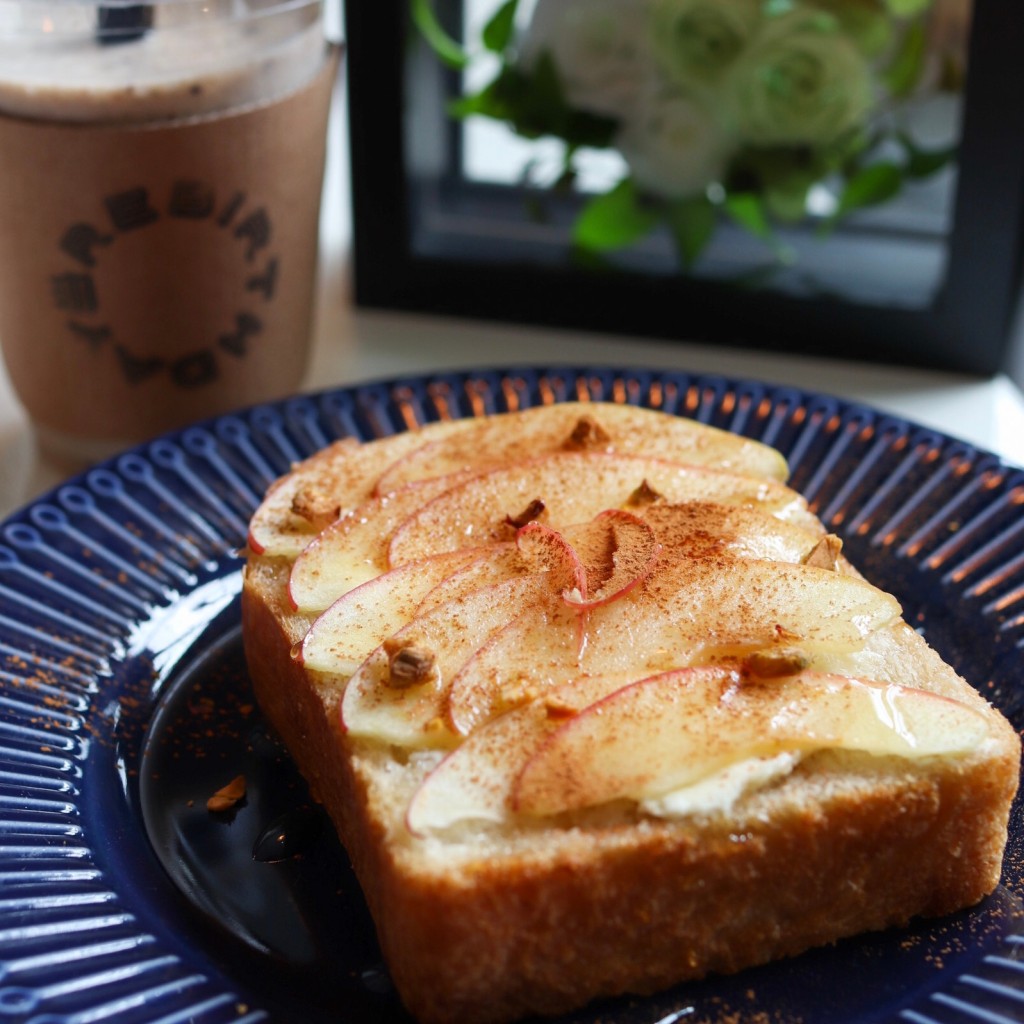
(109, 19)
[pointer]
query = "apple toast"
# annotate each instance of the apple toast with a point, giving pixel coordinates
(597, 705)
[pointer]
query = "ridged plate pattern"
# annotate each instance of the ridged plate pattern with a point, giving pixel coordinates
(108, 582)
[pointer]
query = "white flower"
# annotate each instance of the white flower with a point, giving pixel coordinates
(696, 41)
(801, 81)
(674, 144)
(867, 22)
(600, 49)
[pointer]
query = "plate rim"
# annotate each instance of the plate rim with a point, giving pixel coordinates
(225, 443)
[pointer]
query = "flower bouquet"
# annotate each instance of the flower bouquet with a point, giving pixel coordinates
(772, 115)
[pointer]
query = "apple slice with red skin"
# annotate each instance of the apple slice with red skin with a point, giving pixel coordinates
(600, 427)
(332, 483)
(512, 666)
(344, 475)
(329, 484)
(353, 549)
(474, 781)
(276, 529)
(602, 560)
(486, 567)
(574, 488)
(682, 614)
(553, 550)
(672, 730)
(548, 550)
(618, 550)
(415, 716)
(537, 549)
(342, 637)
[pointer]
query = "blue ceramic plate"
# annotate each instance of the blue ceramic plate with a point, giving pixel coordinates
(124, 704)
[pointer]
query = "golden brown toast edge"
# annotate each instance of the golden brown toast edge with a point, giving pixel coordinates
(632, 907)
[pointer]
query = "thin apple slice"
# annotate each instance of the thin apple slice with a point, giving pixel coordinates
(276, 528)
(376, 706)
(618, 551)
(548, 550)
(531, 655)
(485, 567)
(684, 613)
(537, 549)
(343, 636)
(557, 556)
(474, 781)
(353, 549)
(328, 485)
(608, 427)
(602, 560)
(699, 529)
(731, 605)
(672, 730)
(574, 488)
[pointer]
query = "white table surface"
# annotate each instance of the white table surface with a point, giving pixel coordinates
(353, 346)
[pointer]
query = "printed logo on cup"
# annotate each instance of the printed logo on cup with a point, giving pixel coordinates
(243, 226)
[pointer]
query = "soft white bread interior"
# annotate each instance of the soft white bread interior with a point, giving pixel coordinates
(597, 705)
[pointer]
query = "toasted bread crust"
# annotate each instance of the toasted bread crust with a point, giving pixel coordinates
(486, 940)
(502, 921)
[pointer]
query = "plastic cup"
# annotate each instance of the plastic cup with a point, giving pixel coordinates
(161, 168)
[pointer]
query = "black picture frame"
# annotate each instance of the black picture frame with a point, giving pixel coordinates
(969, 327)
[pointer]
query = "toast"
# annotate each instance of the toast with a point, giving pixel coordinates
(597, 705)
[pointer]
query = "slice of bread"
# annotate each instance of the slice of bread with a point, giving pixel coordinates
(597, 705)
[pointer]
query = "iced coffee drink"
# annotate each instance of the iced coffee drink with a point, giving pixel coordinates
(173, 59)
(160, 177)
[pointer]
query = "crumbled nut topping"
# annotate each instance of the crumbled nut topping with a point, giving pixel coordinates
(645, 494)
(316, 505)
(530, 514)
(777, 662)
(409, 664)
(435, 725)
(825, 554)
(516, 693)
(587, 433)
(227, 797)
(558, 709)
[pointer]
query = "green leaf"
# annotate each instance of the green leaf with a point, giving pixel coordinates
(870, 187)
(534, 105)
(747, 210)
(437, 38)
(613, 220)
(543, 102)
(908, 8)
(592, 130)
(907, 66)
(487, 103)
(497, 33)
(787, 200)
(692, 222)
(922, 163)
(783, 175)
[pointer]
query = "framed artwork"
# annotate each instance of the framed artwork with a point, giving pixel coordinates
(838, 177)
